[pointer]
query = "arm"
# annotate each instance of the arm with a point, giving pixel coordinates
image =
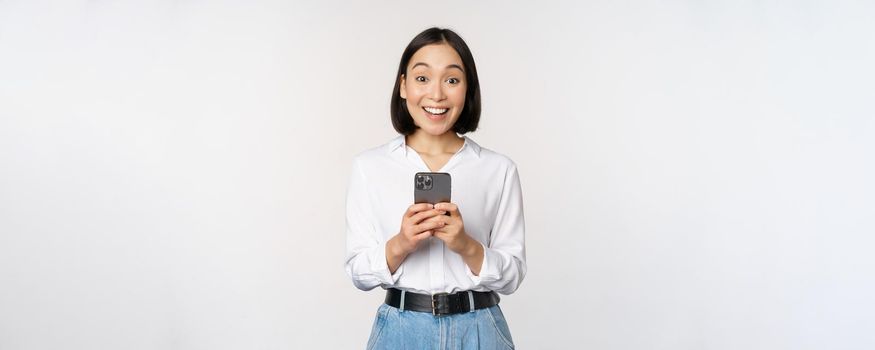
(504, 256)
(394, 254)
(473, 256)
(367, 253)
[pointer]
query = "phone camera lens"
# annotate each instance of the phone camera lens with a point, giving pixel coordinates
(423, 182)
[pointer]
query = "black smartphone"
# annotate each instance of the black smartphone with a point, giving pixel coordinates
(432, 188)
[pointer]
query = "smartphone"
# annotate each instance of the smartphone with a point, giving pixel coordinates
(431, 188)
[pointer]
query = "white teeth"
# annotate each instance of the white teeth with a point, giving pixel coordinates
(436, 110)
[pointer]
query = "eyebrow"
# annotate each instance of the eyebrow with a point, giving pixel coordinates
(448, 67)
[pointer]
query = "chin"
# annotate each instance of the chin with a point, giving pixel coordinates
(435, 131)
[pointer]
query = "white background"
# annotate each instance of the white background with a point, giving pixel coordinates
(696, 174)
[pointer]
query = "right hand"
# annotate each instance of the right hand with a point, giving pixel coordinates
(414, 228)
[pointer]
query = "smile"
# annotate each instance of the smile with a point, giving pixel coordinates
(435, 111)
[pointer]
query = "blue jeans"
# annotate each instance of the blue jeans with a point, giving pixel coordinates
(482, 329)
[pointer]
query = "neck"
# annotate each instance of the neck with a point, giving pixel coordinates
(426, 143)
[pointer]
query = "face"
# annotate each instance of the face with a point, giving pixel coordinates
(434, 88)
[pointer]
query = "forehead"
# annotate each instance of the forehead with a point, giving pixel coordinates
(437, 56)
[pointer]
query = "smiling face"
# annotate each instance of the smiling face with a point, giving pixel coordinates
(434, 88)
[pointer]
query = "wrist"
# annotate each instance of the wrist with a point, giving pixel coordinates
(474, 255)
(394, 247)
(472, 248)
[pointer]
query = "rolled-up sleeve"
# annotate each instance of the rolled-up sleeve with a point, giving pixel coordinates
(504, 258)
(365, 258)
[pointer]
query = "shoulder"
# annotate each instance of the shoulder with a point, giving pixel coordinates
(494, 158)
(376, 155)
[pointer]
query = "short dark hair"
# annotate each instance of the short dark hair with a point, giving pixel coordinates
(470, 116)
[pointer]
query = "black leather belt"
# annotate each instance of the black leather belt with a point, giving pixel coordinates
(441, 303)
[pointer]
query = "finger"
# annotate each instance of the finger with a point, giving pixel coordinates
(451, 208)
(424, 228)
(413, 209)
(430, 225)
(419, 217)
(423, 235)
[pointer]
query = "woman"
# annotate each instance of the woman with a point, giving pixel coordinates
(440, 264)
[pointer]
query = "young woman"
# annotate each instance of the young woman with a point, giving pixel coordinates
(442, 265)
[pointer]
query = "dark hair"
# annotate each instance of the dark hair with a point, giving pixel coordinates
(470, 116)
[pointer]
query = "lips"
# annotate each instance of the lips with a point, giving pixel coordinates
(435, 110)
(435, 113)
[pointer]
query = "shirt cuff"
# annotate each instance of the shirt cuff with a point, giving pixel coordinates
(380, 267)
(488, 271)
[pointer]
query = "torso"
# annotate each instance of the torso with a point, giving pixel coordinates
(437, 162)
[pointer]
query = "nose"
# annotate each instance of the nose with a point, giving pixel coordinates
(437, 92)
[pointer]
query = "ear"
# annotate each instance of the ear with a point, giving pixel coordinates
(403, 83)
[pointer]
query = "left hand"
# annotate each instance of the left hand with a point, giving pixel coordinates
(453, 231)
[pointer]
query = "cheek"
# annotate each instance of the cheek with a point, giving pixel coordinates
(411, 106)
(459, 96)
(414, 93)
(409, 90)
(460, 91)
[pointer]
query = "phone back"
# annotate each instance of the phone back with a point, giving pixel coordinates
(431, 187)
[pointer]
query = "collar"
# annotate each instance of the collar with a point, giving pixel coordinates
(399, 144)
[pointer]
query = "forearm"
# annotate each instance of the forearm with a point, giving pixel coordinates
(473, 256)
(394, 254)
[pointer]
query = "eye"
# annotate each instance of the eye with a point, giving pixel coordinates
(453, 81)
(421, 79)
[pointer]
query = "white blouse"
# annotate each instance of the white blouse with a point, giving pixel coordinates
(485, 187)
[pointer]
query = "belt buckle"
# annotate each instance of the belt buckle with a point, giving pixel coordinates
(435, 302)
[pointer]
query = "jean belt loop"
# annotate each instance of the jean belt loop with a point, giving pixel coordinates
(403, 293)
(471, 300)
